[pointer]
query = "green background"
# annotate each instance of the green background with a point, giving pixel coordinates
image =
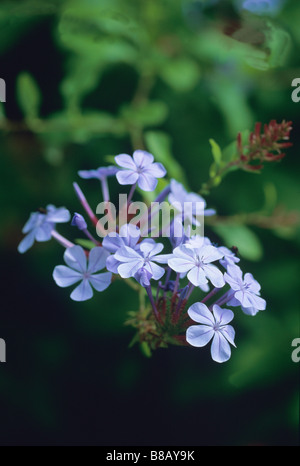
(87, 80)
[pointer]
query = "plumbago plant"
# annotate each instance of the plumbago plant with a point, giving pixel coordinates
(161, 253)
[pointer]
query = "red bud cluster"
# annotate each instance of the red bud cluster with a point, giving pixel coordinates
(264, 146)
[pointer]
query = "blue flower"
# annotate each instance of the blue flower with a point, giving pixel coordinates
(213, 326)
(100, 173)
(135, 263)
(129, 235)
(79, 222)
(197, 262)
(41, 224)
(246, 291)
(139, 169)
(261, 6)
(83, 271)
(229, 257)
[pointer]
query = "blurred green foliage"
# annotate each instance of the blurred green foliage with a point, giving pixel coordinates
(87, 80)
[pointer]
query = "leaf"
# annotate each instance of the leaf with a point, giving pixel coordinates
(216, 151)
(85, 243)
(28, 95)
(181, 74)
(145, 114)
(243, 238)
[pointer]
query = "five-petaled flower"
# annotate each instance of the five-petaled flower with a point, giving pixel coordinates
(83, 271)
(197, 262)
(139, 169)
(41, 224)
(246, 291)
(213, 326)
(136, 263)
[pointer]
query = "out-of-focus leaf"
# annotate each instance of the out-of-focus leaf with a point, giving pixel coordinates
(159, 144)
(145, 114)
(85, 243)
(216, 151)
(243, 238)
(28, 95)
(181, 74)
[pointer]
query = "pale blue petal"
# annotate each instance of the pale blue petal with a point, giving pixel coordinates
(125, 177)
(210, 254)
(64, 276)
(129, 269)
(113, 242)
(147, 182)
(244, 298)
(83, 292)
(223, 316)
(142, 158)
(100, 281)
(27, 242)
(220, 348)
(156, 271)
(60, 215)
(43, 232)
(32, 222)
(199, 335)
(196, 276)
(97, 259)
(252, 283)
(181, 265)
(214, 275)
(229, 333)
(126, 254)
(200, 313)
(156, 169)
(75, 258)
(112, 264)
(125, 161)
(257, 302)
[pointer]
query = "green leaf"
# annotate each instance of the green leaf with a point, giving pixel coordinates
(159, 144)
(181, 74)
(243, 238)
(145, 349)
(145, 114)
(28, 95)
(85, 243)
(216, 151)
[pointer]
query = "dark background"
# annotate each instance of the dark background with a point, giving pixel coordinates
(88, 80)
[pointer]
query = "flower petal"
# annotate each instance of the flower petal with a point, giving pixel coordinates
(156, 271)
(75, 258)
(214, 275)
(200, 313)
(142, 158)
(199, 335)
(97, 259)
(223, 316)
(181, 265)
(210, 254)
(32, 222)
(156, 169)
(43, 232)
(220, 348)
(64, 276)
(129, 269)
(60, 215)
(229, 333)
(126, 254)
(83, 292)
(196, 276)
(125, 161)
(112, 264)
(100, 281)
(27, 242)
(147, 182)
(125, 177)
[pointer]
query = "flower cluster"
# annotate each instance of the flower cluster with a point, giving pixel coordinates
(167, 270)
